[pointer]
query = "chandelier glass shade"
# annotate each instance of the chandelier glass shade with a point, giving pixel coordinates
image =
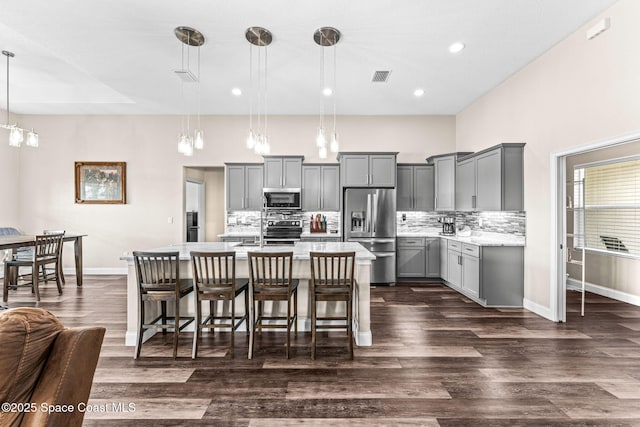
(16, 133)
(190, 38)
(258, 136)
(327, 37)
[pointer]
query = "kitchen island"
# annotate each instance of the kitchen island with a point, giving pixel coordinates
(301, 270)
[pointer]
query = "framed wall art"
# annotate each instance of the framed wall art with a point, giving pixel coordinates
(101, 182)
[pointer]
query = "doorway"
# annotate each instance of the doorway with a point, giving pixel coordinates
(204, 192)
(561, 163)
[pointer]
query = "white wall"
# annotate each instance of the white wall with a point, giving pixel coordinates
(44, 192)
(577, 93)
(9, 178)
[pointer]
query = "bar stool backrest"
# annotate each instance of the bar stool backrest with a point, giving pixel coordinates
(270, 270)
(157, 271)
(332, 269)
(214, 270)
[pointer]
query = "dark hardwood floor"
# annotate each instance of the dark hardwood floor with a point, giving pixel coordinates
(437, 359)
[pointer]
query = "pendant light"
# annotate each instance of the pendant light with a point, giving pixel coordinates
(258, 136)
(325, 37)
(16, 133)
(189, 37)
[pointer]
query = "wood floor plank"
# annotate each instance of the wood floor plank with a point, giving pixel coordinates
(437, 358)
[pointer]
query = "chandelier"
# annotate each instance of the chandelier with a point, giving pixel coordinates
(16, 133)
(258, 137)
(190, 38)
(324, 37)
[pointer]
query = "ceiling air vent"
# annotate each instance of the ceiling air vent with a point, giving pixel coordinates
(380, 76)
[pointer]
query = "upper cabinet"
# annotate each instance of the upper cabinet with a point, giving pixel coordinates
(415, 188)
(244, 186)
(368, 169)
(321, 187)
(445, 180)
(283, 171)
(491, 180)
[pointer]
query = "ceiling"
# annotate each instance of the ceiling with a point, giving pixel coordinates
(119, 56)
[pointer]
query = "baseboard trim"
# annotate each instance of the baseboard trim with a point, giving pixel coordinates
(576, 285)
(538, 309)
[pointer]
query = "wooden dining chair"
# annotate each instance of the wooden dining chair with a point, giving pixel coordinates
(159, 281)
(270, 280)
(331, 281)
(214, 278)
(49, 273)
(46, 252)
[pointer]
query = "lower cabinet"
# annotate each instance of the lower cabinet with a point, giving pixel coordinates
(418, 257)
(411, 258)
(493, 276)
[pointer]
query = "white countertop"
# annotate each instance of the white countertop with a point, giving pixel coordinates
(247, 233)
(300, 249)
(480, 239)
(307, 233)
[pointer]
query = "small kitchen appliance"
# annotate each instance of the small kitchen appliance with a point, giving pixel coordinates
(448, 225)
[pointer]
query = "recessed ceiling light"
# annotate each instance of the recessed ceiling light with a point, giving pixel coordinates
(327, 91)
(456, 47)
(418, 93)
(236, 91)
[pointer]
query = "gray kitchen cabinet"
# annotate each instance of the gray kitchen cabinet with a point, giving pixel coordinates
(500, 178)
(454, 264)
(415, 188)
(471, 269)
(466, 185)
(404, 190)
(321, 187)
(368, 169)
(493, 276)
(244, 186)
(445, 180)
(444, 259)
(491, 180)
(432, 254)
(445, 183)
(411, 257)
(241, 239)
(283, 171)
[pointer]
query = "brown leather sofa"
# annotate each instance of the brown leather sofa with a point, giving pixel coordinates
(46, 370)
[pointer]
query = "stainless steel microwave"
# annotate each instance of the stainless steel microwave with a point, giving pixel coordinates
(283, 198)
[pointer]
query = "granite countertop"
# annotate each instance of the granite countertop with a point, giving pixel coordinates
(307, 233)
(476, 238)
(244, 233)
(300, 249)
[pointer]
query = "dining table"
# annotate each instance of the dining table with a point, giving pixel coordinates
(13, 242)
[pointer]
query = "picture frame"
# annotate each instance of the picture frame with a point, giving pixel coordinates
(101, 182)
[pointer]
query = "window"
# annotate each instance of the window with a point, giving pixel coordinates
(607, 206)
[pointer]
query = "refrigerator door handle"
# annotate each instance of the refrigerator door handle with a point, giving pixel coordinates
(375, 211)
(368, 221)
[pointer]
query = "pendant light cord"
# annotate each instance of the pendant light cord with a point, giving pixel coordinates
(7, 88)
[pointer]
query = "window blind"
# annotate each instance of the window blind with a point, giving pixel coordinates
(607, 206)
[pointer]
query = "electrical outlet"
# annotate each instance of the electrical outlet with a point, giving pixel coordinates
(170, 220)
(404, 217)
(480, 222)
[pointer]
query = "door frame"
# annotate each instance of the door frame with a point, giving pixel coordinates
(559, 218)
(201, 208)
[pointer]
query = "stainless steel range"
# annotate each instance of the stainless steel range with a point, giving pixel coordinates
(282, 231)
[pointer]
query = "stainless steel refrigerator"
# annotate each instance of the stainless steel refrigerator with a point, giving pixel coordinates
(370, 219)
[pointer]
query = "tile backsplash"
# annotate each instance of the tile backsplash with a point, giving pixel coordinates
(496, 222)
(248, 221)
